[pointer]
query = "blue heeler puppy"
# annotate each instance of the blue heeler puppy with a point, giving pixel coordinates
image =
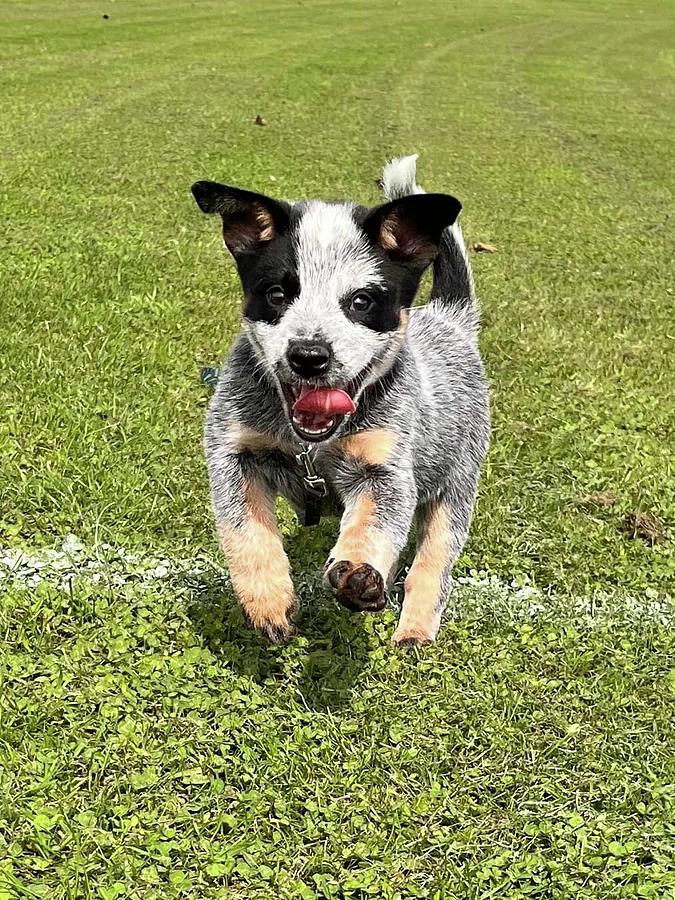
(336, 380)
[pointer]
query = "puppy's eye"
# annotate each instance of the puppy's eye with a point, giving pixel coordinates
(275, 296)
(361, 302)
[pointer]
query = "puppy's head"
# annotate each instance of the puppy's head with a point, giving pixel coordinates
(327, 287)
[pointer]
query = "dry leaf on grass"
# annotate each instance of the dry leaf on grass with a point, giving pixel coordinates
(644, 525)
(479, 247)
(601, 499)
(260, 121)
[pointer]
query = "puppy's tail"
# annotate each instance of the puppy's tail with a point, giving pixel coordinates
(398, 178)
(453, 279)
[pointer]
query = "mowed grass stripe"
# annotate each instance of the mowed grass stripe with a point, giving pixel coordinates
(105, 244)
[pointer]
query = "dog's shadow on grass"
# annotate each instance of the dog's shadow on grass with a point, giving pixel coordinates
(322, 663)
(323, 660)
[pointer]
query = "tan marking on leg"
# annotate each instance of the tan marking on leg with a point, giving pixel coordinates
(420, 617)
(373, 447)
(404, 319)
(257, 562)
(361, 541)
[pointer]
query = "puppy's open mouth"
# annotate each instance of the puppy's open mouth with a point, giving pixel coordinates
(316, 411)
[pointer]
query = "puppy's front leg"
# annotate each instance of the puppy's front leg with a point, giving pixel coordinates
(247, 527)
(442, 530)
(373, 531)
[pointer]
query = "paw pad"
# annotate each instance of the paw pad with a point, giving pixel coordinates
(358, 587)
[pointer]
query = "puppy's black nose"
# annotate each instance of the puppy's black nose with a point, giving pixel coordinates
(309, 358)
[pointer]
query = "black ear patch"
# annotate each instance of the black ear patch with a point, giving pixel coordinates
(409, 229)
(249, 219)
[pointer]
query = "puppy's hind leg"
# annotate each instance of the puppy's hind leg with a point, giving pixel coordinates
(442, 532)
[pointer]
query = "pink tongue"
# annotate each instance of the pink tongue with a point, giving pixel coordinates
(324, 401)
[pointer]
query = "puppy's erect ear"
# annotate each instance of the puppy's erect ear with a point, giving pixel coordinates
(249, 219)
(409, 229)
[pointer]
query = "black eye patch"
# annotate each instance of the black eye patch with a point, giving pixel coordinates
(382, 313)
(270, 297)
(273, 267)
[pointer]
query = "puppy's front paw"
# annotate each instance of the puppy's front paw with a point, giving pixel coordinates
(411, 636)
(274, 623)
(358, 587)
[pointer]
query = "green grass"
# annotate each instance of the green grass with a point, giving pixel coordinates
(153, 747)
(149, 745)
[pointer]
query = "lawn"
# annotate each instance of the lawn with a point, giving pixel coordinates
(151, 746)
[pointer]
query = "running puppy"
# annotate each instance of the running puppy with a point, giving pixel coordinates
(337, 386)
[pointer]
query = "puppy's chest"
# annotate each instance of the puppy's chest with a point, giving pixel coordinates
(341, 464)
